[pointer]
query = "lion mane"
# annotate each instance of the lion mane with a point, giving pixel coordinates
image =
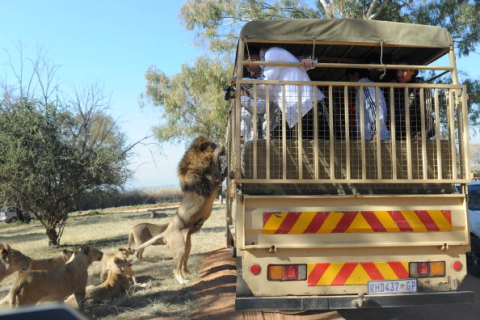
(195, 166)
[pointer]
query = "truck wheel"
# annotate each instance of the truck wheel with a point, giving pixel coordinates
(473, 257)
(13, 219)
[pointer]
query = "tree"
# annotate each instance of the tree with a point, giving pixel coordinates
(217, 24)
(191, 99)
(54, 151)
(475, 156)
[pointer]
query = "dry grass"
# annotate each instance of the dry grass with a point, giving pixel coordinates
(162, 297)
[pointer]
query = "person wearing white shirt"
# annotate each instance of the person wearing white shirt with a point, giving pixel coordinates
(294, 94)
(369, 105)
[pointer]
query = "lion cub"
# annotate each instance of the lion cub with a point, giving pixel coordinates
(55, 262)
(31, 287)
(108, 261)
(11, 261)
(116, 284)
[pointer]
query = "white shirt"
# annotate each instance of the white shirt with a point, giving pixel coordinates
(292, 92)
(370, 112)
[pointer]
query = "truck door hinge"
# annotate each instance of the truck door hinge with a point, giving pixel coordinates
(444, 247)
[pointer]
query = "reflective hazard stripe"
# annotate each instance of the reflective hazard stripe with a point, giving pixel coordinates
(356, 221)
(354, 273)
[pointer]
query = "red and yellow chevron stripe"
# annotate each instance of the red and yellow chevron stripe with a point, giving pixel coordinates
(354, 273)
(356, 221)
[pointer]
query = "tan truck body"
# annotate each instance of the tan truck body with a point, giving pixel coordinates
(317, 224)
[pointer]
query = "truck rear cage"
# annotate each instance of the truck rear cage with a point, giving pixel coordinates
(337, 154)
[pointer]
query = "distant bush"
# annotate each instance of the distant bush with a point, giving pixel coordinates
(129, 198)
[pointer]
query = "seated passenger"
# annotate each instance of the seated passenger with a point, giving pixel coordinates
(369, 105)
(410, 76)
(292, 93)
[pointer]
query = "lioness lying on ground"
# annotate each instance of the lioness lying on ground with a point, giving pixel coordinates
(12, 260)
(108, 261)
(31, 287)
(200, 177)
(115, 285)
(143, 232)
(55, 262)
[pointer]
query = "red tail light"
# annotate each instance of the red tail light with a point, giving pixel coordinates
(457, 265)
(423, 269)
(290, 272)
(255, 269)
(287, 272)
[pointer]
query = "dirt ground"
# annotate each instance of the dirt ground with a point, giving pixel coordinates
(216, 289)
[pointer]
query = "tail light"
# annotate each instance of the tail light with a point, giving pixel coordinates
(426, 269)
(287, 272)
(457, 265)
(255, 269)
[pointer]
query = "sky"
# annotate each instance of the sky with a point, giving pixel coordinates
(112, 43)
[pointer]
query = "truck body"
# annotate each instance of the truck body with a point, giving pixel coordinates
(338, 221)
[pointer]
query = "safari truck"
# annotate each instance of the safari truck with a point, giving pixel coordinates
(336, 220)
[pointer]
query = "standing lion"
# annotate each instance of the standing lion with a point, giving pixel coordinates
(200, 177)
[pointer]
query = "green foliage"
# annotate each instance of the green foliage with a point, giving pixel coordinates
(473, 88)
(191, 111)
(50, 156)
(192, 100)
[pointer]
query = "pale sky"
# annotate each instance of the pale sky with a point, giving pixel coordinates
(112, 43)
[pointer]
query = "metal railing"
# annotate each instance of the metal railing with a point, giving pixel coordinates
(427, 142)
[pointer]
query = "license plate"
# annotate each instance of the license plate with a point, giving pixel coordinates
(392, 286)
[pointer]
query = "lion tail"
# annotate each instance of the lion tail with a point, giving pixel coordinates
(5, 300)
(151, 241)
(130, 239)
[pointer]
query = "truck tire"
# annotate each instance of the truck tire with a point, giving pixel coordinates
(473, 257)
(14, 219)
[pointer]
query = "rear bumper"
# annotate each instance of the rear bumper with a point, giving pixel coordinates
(352, 302)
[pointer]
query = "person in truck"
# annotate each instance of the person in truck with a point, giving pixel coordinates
(414, 104)
(285, 73)
(369, 107)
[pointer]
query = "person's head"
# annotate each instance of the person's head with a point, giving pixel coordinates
(253, 53)
(353, 75)
(406, 75)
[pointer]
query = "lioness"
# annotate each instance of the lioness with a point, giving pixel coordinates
(108, 261)
(143, 232)
(31, 287)
(116, 283)
(200, 177)
(12, 260)
(55, 262)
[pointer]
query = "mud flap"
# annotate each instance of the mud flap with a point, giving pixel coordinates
(242, 289)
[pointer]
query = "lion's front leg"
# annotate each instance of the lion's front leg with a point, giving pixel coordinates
(80, 297)
(188, 248)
